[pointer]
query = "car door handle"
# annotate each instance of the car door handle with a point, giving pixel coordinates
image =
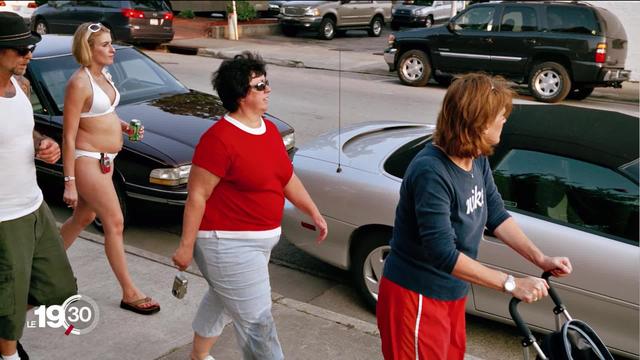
(488, 40)
(531, 41)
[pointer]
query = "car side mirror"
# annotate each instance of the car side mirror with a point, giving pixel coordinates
(451, 26)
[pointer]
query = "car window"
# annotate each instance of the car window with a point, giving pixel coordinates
(136, 76)
(519, 19)
(36, 103)
(572, 19)
(421, 2)
(111, 4)
(479, 19)
(397, 163)
(570, 191)
(149, 5)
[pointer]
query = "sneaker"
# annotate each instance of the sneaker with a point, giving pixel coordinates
(23, 354)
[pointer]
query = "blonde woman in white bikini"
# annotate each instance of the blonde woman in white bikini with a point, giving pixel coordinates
(92, 137)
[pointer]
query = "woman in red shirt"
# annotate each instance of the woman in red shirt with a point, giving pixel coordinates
(240, 177)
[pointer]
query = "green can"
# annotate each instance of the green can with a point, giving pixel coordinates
(134, 129)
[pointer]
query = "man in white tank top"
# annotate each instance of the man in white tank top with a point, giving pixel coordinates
(34, 268)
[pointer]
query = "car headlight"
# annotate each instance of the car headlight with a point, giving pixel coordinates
(170, 176)
(312, 12)
(289, 141)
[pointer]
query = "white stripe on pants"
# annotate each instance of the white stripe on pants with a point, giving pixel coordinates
(239, 290)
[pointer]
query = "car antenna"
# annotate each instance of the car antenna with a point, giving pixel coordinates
(339, 169)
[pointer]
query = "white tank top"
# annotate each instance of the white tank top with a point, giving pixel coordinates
(19, 191)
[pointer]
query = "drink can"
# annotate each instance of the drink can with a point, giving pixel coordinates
(134, 130)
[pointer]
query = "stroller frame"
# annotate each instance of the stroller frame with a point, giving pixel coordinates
(558, 310)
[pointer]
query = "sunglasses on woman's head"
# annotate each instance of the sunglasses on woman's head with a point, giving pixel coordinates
(261, 86)
(23, 51)
(95, 27)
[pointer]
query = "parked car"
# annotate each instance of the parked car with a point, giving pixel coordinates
(157, 168)
(558, 49)
(328, 17)
(22, 8)
(421, 13)
(568, 176)
(132, 21)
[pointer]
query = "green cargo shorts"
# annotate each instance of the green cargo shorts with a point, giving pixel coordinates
(34, 269)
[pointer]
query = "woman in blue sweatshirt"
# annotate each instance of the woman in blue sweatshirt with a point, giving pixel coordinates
(447, 198)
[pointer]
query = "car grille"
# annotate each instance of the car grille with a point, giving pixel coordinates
(403, 12)
(295, 11)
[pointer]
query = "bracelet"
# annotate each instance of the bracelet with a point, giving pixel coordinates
(69, 178)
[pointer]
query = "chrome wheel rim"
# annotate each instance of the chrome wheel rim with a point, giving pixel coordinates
(328, 30)
(413, 68)
(372, 269)
(41, 28)
(547, 83)
(377, 27)
(428, 23)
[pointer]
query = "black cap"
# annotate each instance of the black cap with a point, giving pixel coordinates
(14, 32)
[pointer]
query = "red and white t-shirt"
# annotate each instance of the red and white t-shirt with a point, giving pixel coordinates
(253, 167)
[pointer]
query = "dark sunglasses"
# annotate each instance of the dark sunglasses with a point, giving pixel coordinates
(261, 86)
(23, 51)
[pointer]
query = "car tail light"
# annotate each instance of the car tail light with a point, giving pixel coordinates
(133, 13)
(32, 5)
(2, 3)
(168, 16)
(601, 53)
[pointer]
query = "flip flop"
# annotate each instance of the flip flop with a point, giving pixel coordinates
(136, 308)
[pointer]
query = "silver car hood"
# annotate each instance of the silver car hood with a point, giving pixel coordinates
(364, 145)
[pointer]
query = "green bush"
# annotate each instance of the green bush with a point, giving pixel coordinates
(187, 14)
(244, 10)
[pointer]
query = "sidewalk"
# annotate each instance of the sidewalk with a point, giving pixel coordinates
(316, 57)
(305, 331)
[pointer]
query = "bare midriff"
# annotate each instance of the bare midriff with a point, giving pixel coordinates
(100, 133)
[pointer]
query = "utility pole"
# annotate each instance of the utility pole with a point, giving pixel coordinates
(454, 8)
(232, 22)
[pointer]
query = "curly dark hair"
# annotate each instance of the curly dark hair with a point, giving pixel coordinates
(232, 78)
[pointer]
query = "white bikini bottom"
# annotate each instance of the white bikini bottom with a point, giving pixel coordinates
(93, 154)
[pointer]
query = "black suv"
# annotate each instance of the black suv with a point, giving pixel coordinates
(559, 49)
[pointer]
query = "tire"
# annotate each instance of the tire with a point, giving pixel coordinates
(428, 22)
(367, 263)
(97, 223)
(580, 93)
(327, 29)
(444, 80)
(289, 31)
(549, 82)
(375, 28)
(414, 68)
(41, 27)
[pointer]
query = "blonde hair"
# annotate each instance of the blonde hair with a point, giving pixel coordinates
(471, 104)
(83, 41)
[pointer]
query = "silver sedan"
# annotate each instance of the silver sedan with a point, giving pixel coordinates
(568, 176)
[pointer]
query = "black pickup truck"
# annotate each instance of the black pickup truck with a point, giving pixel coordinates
(559, 49)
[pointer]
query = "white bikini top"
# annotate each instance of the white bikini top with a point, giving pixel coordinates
(101, 104)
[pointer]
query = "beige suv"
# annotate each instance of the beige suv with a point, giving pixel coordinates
(329, 17)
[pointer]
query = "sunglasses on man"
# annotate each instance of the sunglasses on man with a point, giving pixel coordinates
(24, 50)
(261, 86)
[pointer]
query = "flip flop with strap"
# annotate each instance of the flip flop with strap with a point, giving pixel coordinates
(136, 308)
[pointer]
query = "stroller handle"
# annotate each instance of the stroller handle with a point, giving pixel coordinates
(515, 315)
(552, 292)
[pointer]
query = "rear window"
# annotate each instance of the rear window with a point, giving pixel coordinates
(572, 19)
(148, 5)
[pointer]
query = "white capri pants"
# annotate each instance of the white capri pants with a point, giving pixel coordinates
(239, 290)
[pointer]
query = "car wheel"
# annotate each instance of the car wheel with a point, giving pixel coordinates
(367, 263)
(327, 29)
(444, 80)
(375, 28)
(428, 22)
(414, 68)
(123, 206)
(289, 31)
(549, 82)
(41, 27)
(580, 93)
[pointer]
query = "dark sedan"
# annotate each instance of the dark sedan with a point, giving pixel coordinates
(157, 168)
(132, 21)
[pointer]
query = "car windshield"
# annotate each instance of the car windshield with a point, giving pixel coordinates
(136, 77)
(149, 5)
